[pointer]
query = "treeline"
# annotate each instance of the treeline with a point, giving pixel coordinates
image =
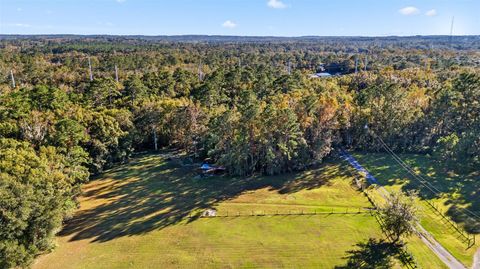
(240, 108)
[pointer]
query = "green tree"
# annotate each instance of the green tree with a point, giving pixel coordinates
(399, 215)
(134, 89)
(102, 92)
(36, 192)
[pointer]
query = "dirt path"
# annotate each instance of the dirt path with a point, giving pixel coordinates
(425, 236)
(476, 260)
(441, 252)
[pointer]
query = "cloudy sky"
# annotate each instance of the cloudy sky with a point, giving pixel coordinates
(240, 17)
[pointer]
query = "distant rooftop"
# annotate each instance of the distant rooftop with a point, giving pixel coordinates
(321, 75)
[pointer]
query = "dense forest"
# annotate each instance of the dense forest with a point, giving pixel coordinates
(247, 104)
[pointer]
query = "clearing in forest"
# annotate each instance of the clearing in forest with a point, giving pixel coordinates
(145, 215)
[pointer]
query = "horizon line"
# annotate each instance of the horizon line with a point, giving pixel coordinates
(250, 36)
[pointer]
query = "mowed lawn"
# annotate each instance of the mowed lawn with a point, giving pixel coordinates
(146, 215)
(457, 192)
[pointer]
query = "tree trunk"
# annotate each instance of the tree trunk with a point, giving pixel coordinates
(155, 138)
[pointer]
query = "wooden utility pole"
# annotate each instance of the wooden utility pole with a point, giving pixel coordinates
(116, 68)
(200, 72)
(90, 69)
(116, 73)
(356, 64)
(155, 138)
(366, 62)
(13, 78)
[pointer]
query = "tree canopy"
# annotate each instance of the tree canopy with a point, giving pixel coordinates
(249, 105)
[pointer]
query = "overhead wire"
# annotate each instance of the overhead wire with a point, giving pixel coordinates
(417, 176)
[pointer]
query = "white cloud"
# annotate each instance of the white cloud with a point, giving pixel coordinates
(23, 25)
(431, 13)
(19, 9)
(407, 11)
(105, 23)
(276, 4)
(229, 24)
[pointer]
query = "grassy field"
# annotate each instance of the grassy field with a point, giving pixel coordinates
(456, 192)
(146, 215)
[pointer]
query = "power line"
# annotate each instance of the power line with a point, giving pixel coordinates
(416, 176)
(419, 177)
(408, 169)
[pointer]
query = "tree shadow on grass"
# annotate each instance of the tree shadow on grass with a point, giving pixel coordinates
(150, 193)
(462, 191)
(373, 254)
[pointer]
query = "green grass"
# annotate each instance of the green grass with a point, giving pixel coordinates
(457, 191)
(145, 215)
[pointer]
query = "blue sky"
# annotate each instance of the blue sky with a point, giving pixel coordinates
(240, 17)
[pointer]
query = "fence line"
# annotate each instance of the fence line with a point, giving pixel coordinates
(467, 237)
(266, 213)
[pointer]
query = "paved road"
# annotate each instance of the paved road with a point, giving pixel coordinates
(425, 236)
